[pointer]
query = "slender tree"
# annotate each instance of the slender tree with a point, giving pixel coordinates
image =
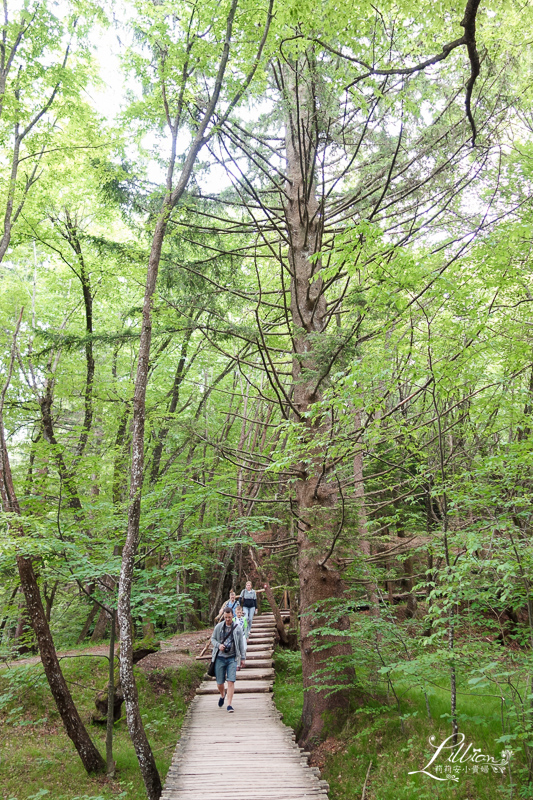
(175, 187)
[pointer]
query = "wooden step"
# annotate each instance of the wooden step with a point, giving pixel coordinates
(260, 640)
(245, 687)
(258, 663)
(260, 654)
(255, 674)
(252, 673)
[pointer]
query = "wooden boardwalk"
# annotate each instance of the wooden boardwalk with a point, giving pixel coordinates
(249, 753)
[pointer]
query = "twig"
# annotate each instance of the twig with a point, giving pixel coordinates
(366, 780)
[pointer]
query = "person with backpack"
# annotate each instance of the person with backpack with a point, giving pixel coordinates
(228, 656)
(248, 601)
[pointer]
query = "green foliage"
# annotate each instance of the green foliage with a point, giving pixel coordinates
(37, 752)
(420, 425)
(396, 741)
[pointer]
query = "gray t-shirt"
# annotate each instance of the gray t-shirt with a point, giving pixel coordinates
(228, 639)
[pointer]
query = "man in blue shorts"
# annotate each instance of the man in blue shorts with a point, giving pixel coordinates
(228, 655)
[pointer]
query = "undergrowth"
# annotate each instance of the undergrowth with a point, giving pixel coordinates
(372, 735)
(39, 761)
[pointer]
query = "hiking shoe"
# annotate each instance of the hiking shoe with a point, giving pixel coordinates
(230, 709)
(221, 701)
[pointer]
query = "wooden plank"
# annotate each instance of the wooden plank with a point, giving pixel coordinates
(255, 674)
(261, 640)
(240, 687)
(259, 657)
(254, 732)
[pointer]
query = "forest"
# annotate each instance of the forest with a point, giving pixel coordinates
(264, 316)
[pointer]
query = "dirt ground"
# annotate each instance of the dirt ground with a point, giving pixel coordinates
(179, 649)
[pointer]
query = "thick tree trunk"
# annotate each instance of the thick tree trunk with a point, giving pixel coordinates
(316, 497)
(317, 584)
(90, 756)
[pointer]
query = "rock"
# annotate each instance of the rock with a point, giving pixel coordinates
(101, 706)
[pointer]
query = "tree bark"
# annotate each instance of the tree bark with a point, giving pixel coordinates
(100, 627)
(316, 494)
(175, 189)
(90, 756)
(88, 622)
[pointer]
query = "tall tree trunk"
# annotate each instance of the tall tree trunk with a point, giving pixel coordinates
(90, 757)
(316, 494)
(175, 188)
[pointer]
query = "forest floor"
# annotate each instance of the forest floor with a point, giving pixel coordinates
(374, 749)
(36, 758)
(176, 651)
(180, 649)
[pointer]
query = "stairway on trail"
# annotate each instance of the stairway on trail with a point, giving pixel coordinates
(249, 753)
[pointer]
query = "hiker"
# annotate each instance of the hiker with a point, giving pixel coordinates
(248, 601)
(228, 655)
(232, 603)
(240, 619)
